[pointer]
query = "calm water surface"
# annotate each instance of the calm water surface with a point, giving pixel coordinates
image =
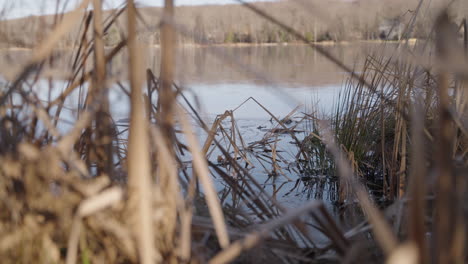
(217, 79)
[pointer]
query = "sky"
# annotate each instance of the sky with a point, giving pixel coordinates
(21, 8)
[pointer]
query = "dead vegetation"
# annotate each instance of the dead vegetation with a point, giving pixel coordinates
(144, 191)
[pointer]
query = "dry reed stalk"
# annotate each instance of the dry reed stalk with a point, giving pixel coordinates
(232, 139)
(64, 146)
(289, 131)
(100, 201)
(151, 86)
(250, 191)
(168, 196)
(73, 240)
(84, 45)
(446, 219)
(341, 242)
(43, 116)
(217, 125)
(202, 172)
(82, 42)
(12, 239)
(281, 123)
(397, 164)
(212, 131)
(465, 35)
(139, 172)
(275, 165)
(185, 247)
(263, 231)
(461, 187)
(88, 207)
(381, 228)
(86, 76)
(255, 197)
(406, 253)
(417, 186)
(394, 173)
(84, 51)
(103, 126)
(402, 170)
(122, 234)
(382, 149)
(166, 99)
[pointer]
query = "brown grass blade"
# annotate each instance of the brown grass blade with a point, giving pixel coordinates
(166, 99)
(265, 230)
(201, 169)
(417, 187)
(381, 228)
(445, 216)
(104, 151)
(139, 172)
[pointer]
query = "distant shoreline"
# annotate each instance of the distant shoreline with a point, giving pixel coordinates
(411, 41)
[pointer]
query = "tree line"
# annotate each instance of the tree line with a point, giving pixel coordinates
(317, 20)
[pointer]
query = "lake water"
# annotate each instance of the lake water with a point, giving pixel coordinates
(216, 79)
(280, 77)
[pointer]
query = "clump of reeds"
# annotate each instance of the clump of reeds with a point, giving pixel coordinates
(399, 125)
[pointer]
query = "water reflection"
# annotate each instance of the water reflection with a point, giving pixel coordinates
(306, 77)
(295, 65)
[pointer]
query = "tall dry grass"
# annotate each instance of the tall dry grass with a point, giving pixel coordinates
(99, 194)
